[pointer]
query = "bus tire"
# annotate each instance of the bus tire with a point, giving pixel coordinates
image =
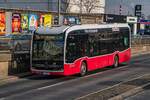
(83, 69)
(116, 62)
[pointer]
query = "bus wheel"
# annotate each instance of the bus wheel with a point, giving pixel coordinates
(83, 69)
(116, 62)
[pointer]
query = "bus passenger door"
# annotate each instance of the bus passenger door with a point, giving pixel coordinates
(103, 35)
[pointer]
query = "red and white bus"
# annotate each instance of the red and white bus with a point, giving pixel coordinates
(68, 50)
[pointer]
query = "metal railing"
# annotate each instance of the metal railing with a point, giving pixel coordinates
(140, 40)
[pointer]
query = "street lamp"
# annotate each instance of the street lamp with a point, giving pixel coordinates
(81, 6)
(120, 7)
(48, 5)
(59, 10)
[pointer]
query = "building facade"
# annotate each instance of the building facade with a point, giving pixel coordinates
(87, 6)
(45, 5)
(127, 7)
(72, 6)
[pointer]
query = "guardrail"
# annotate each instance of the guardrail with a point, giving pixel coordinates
(140, 44)
(140, 40)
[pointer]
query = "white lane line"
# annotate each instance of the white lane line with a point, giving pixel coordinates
(42, 88)
(129, 93)
(2, 98)
(111, 87)
(60, 83)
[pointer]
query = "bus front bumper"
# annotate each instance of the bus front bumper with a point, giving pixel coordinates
(47, 72)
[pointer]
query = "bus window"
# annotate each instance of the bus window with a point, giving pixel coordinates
(76, 46)
(48, 49)
(104, 41)
(125, 38)
(93, 41)
(71, 48)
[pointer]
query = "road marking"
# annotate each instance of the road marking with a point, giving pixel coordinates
(49, 86)
(111, 87)
(42, 88)
(129, 93)
(2, 98)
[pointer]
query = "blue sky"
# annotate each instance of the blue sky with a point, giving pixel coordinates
(112, 6)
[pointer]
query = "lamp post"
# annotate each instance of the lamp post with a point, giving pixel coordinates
(48, 5)
(59, 10)
(120, 8)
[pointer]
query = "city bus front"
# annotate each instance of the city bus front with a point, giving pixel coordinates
(47, 54)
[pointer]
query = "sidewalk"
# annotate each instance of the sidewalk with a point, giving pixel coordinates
(13, 78)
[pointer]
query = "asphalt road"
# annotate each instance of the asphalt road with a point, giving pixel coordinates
(69, 88)
(145, 95)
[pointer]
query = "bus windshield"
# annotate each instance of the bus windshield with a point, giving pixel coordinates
(48, 47)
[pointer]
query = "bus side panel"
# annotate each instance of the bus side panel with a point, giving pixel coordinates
(125, 56)
(111, 59)
(102, 61)
(92, 63)
(72, 68)
(97, 62)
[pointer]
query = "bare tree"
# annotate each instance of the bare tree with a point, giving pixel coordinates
(87, 5)
(90, 5)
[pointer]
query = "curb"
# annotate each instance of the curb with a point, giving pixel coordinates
(130, 93)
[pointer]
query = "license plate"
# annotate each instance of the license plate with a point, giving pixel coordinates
(46, 73)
